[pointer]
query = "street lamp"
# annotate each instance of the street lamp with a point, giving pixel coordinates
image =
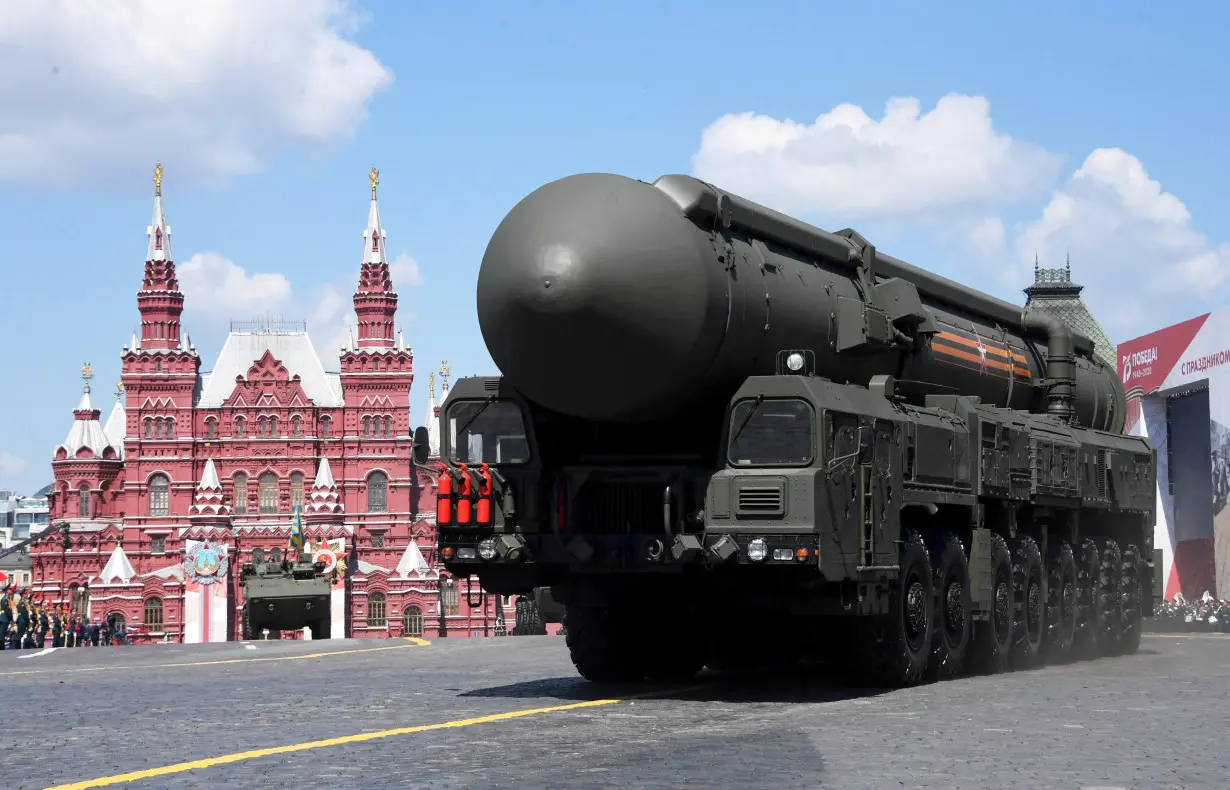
(444, 584)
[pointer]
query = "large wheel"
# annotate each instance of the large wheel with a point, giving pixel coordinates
(604, 647)
(895, 648)
(952, 607)
(992, 643)
(1132, 597)
(1088, 563)
(1029, 593)
(1061, 603)
(1109, 602)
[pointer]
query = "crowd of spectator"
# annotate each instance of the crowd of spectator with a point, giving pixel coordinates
(28, 622)
(1207, 614)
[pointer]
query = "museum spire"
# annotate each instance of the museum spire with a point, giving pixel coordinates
(374, 235)
(375, 301)
(159, 299)
(159, 232)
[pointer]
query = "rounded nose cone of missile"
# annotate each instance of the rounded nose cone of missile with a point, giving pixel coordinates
(597, 298)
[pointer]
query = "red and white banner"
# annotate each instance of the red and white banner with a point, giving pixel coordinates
(1193, 520)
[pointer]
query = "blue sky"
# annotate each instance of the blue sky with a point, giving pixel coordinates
(266, 136)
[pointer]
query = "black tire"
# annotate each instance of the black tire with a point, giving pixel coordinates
(991, 646)
(1132, 597)
(249, 632)
(1088, 563)
(953, 615)
(894, 649)
(1109, 601)
(1029, 594)
(602, 645)
(1061, 603)
(529, 621)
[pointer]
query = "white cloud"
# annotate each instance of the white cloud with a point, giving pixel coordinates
(216, 286)
(952, 174)
(1132, 245)
(11, 464)
(331, 320)
(947, 162)
(218, 290)
(94, 91)
(404, 270)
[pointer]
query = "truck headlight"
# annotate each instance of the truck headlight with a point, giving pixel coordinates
(486, 549)
(757, 550)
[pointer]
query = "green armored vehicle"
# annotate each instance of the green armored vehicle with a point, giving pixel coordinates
(715, 422)
(285, 596)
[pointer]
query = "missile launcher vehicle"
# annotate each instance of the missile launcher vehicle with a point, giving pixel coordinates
(282, 595)
(718, 426)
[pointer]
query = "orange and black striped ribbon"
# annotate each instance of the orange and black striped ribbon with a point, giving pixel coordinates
(973, 352)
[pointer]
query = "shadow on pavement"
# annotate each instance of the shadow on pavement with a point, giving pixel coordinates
(790, 686)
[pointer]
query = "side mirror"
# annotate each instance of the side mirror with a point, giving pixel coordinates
(422, 445)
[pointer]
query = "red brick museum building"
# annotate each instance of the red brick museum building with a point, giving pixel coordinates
(193, 469)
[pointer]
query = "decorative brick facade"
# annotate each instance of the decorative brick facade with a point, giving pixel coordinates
(195, 467)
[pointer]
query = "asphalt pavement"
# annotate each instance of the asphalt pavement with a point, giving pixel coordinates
(512, 713)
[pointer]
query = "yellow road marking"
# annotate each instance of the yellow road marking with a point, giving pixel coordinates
(414, 642)
(192, 765)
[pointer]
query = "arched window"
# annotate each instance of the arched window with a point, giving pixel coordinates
(273, 426)
(170, 428)
(388, 426)
(158, 428)
(412, 621)
(296, 490)
(153, 614)
(149, 428)
(375, 610)
(377, 366)
(211, 429)
(239, 427)
(159, 495)
(296, 426)
(377, 492)
(241, 494)
(83, 501)
(121, 622)
(324, 427)
(367, 426)
(269, 493)
(158, 362)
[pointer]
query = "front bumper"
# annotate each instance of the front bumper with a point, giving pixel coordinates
(470, 552)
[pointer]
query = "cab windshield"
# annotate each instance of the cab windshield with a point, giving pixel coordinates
(489, 431)
(771, 432)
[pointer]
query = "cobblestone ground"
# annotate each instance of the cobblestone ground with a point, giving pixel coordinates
(1154, 720)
